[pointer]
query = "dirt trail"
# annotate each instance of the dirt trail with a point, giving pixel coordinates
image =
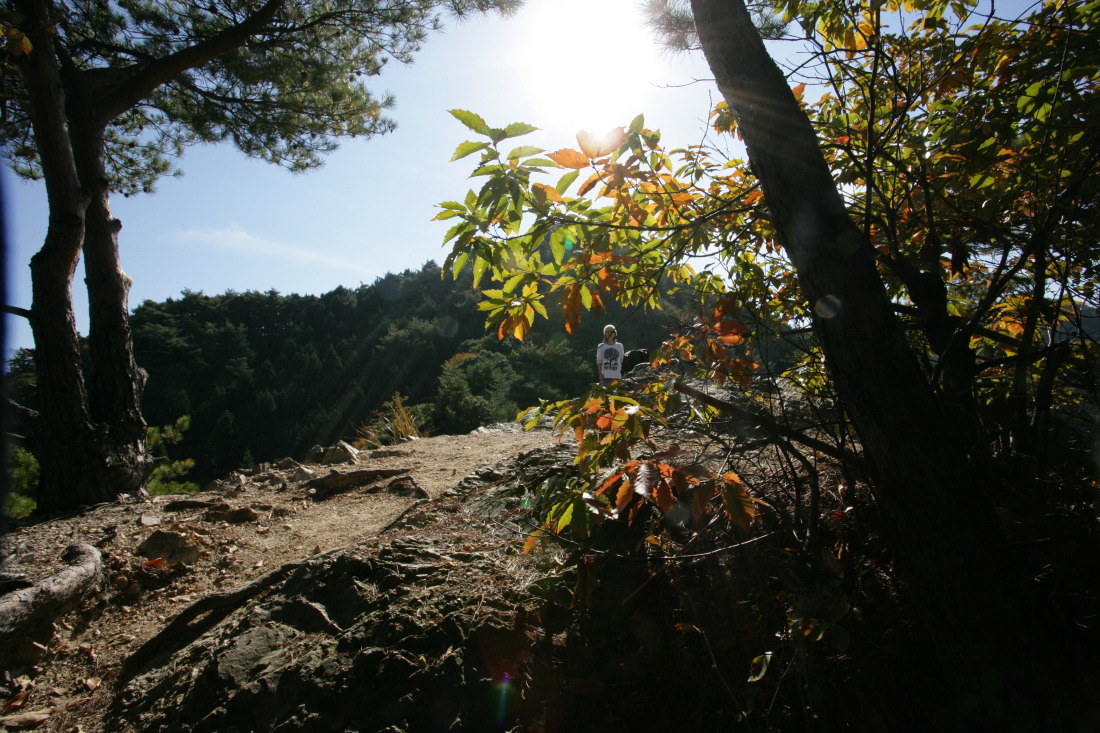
(259, 522)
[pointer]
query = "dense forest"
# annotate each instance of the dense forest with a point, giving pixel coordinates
(266, 375)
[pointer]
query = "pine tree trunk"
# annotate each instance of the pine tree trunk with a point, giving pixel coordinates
(83, 459)
(115, 382)
(942, 528)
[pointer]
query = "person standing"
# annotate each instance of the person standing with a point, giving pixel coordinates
(609, 356)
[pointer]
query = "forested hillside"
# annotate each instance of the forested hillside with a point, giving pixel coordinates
(267, 375)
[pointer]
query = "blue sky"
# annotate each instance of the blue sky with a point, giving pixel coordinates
(230, 223)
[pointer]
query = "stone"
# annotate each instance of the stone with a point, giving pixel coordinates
(172, 546)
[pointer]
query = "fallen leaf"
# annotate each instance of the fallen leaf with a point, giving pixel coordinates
(17, 701)
(92, 683)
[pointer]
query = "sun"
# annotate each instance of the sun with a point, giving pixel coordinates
(589, 64)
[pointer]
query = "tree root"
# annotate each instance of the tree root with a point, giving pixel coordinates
(27, 611)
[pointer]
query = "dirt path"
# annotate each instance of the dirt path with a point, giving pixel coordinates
(229, 537)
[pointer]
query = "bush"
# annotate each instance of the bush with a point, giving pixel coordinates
(22, 472)
(394, 423)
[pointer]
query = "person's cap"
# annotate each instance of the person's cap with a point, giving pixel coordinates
(608, 330)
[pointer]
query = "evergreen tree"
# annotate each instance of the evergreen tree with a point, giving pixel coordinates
(104, 96)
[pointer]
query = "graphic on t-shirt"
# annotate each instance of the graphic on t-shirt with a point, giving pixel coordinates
(609, 357)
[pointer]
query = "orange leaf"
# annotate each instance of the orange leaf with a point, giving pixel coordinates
(532, 540)
(730, 333)
(662, 497)
(549, 191)
(571, 309)
(798, 91)
(736, 499)
(589, 184)
(624, 496)
(569, 158)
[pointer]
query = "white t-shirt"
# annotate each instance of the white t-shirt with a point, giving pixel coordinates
(609, 360)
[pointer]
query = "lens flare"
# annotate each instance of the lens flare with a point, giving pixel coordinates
(827, 307)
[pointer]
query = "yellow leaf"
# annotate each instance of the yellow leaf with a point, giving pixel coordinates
(590, 146)
(569, 158)
(595, 147)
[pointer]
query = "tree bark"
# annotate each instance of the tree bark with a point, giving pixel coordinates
(942, 527)
(65, 441)
(115, 382)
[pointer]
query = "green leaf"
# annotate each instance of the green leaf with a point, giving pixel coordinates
(471, 120)
(460, 263)
(523, 151)
(518, 128)
(557, 248)
(637, 123)
(480, 266)
(513, 283)
(467, 148)
(566, 181)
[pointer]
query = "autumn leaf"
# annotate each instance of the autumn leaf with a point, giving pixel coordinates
(547, 192)
(624, 496)
(597, 147)
(662, 497)
(730, 333)
(737, 502)
(532, 541)
(568, 158)
(589, 184)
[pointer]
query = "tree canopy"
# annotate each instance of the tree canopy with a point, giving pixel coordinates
(921, 195)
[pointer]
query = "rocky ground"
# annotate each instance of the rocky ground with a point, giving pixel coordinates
(164, 555)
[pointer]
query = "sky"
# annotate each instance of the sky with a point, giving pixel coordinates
(231, 223)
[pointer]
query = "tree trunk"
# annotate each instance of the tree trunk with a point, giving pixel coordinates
(83, 459)
(64, 443)
(943, 529)
(115, 382)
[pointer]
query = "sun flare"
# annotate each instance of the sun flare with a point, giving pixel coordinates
(592, 64)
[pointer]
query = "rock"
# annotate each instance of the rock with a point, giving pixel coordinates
(349, 641)
(286, 464)
(339, 453)
(172, 546)
(303, 474)
(406, 486)
(336, 482)
(147, 520)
